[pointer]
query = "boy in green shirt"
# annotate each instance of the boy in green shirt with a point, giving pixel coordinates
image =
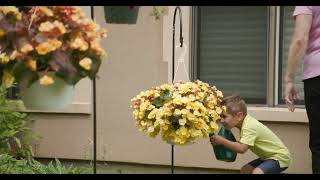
(274, 157)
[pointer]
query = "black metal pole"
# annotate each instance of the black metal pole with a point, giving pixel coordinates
(94, 115)
(173, 63)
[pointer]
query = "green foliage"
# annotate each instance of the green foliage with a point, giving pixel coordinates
(164, 97)
(15, 136)
(11, 165)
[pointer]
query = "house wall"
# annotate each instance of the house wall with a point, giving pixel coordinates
(139, 58)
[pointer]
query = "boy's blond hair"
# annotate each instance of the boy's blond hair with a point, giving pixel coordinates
(235, 104)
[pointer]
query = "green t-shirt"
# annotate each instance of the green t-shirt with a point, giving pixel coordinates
(263, 142)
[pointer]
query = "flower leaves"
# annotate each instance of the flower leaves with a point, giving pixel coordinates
(23, 75)
(164, 96)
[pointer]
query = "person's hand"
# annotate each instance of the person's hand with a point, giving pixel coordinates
(216, 139)
(291, 95)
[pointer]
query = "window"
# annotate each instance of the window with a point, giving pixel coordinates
(286, 31)
(232, 50)
(244, 50)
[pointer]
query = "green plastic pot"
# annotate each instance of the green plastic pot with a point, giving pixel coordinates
(221, 152)
(121, 14)
(56, 96)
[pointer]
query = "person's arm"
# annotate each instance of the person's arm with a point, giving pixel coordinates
(296, 52)
(234, 146)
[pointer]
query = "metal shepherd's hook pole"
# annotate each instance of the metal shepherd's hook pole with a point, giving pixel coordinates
(94, 115)
(173, 63)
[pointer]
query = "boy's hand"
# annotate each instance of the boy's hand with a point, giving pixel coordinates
(216, 139)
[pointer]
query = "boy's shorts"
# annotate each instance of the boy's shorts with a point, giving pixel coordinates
(268, 166)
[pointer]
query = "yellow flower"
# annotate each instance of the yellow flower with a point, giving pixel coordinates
(150, 129)
(7, 79)
(196, 133)
(177, 112)
(4, 59)
(224, 108)
(14, 55)
(43, 48)
(219, 94)
(214, 115)
(182, 122)
(55, 43)
(143, 123)
(26, 48)
(11, 9)
(79, 43)
(60, 26)
(144, 105)
(8, 9)
(192, 97)
(86, 63)
(2, 32)
(196, 113)
(214, 126)
(32, 64)
(177, 101)
(153, 113)
(185, 111)
(46, 26)
(46, 11)
(218, 110)
(49, 26)
(46, 80)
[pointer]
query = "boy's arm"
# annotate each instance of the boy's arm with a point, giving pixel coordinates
(235, 146)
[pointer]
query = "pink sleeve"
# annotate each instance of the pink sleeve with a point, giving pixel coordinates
(302, 10)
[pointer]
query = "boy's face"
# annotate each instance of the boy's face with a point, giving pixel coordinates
(229, 121)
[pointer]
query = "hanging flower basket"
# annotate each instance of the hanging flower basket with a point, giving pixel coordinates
(42, 43)
(121, 14)
(181, 113)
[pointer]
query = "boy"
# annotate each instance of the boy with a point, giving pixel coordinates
(274, 157)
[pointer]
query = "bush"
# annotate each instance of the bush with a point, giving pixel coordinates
(15, 136)
(11, 165)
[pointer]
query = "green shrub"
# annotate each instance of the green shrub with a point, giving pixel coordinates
(11, 165)
(15, 136)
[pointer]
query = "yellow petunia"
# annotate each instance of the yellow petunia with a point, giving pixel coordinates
(177, 101)
(11, 9)
(218, 110)
(152, 114)
(177, 112)
(219, 94)
(150, 129)
(46, 26)
(4, 59)
(192, 97)
(46, 80)
(182, 122)
(55, 43)
(14, 55)
(46, 11)
(32, 64)
(26, 48)
(86, 63)
(7, 79)
(2, 32)
(44, 48)
(79, 43)
(214, 126)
